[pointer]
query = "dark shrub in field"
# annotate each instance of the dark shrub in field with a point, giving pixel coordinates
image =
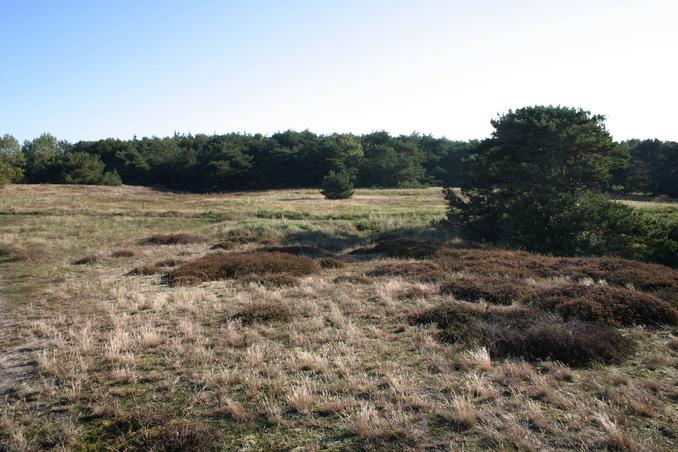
(239, 265)
(299, 250)
(495, 290)
(424, 271)
(87, 260)
(171, 239)
(401, 247)
(168, 263)
(520, 264)
(528, 334)
(264, 313)
(123, 253)
(613, 305)
(147, 270)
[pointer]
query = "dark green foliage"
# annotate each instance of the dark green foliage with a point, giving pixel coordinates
(523, 333)
(535, 184)
(12, 160)
(337, 185)
(652, 168)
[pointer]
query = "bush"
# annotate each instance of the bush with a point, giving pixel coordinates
(494, 290)
(266, 312)
(516, 332)
(168, 263)
(171, 239)
(123, 253)
(239, 265)
(401, 248)
(519, 264)
(337, 185)
(613, 305)
(87, 260)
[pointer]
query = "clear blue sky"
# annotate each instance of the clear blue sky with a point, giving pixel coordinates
(95, 69)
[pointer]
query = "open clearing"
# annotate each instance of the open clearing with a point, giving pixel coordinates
(141, 319)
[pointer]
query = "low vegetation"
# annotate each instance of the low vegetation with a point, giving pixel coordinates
(351, 325)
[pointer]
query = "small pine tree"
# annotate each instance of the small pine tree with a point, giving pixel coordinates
(337, 185)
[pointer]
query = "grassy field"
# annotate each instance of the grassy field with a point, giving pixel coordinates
(359, 346)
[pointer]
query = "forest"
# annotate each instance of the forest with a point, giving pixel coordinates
(290, 159)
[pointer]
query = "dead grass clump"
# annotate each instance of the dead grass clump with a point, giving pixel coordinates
(424, 271)
(517, 332)
(224, 245)
(218, 266)
(266, 312)
(87, 260)
(171, 239)
(147, 270)
(351, 279)
(496, 290)
(272, 280)
(460, 412)
(299, 250)
(615, 306)
(123, 253)
(182, 434)
(330, 262)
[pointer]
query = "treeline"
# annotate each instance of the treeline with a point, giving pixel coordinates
(289, 160)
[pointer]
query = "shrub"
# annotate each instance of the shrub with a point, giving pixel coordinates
(87, 260)
(337, 185)
(266, 312)
(238, 265)
(423, 271)
(171, 239)
(519, 264)
(494, 290)
(526, 333)
(224, 245)
(613, 305)
(123, 253)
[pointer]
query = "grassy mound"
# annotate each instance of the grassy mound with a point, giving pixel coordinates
(266, 312)
(423, 271)
(615, 306)
(168, 263)
(171, 239)
(238, 265)
(528, 334)
(492, 289)
(518, 264)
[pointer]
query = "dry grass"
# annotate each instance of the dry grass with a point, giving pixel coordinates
(330, 362)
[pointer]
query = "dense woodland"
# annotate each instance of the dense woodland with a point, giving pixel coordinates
(289, 160)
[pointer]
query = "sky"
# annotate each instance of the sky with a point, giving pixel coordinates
(96, 69)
